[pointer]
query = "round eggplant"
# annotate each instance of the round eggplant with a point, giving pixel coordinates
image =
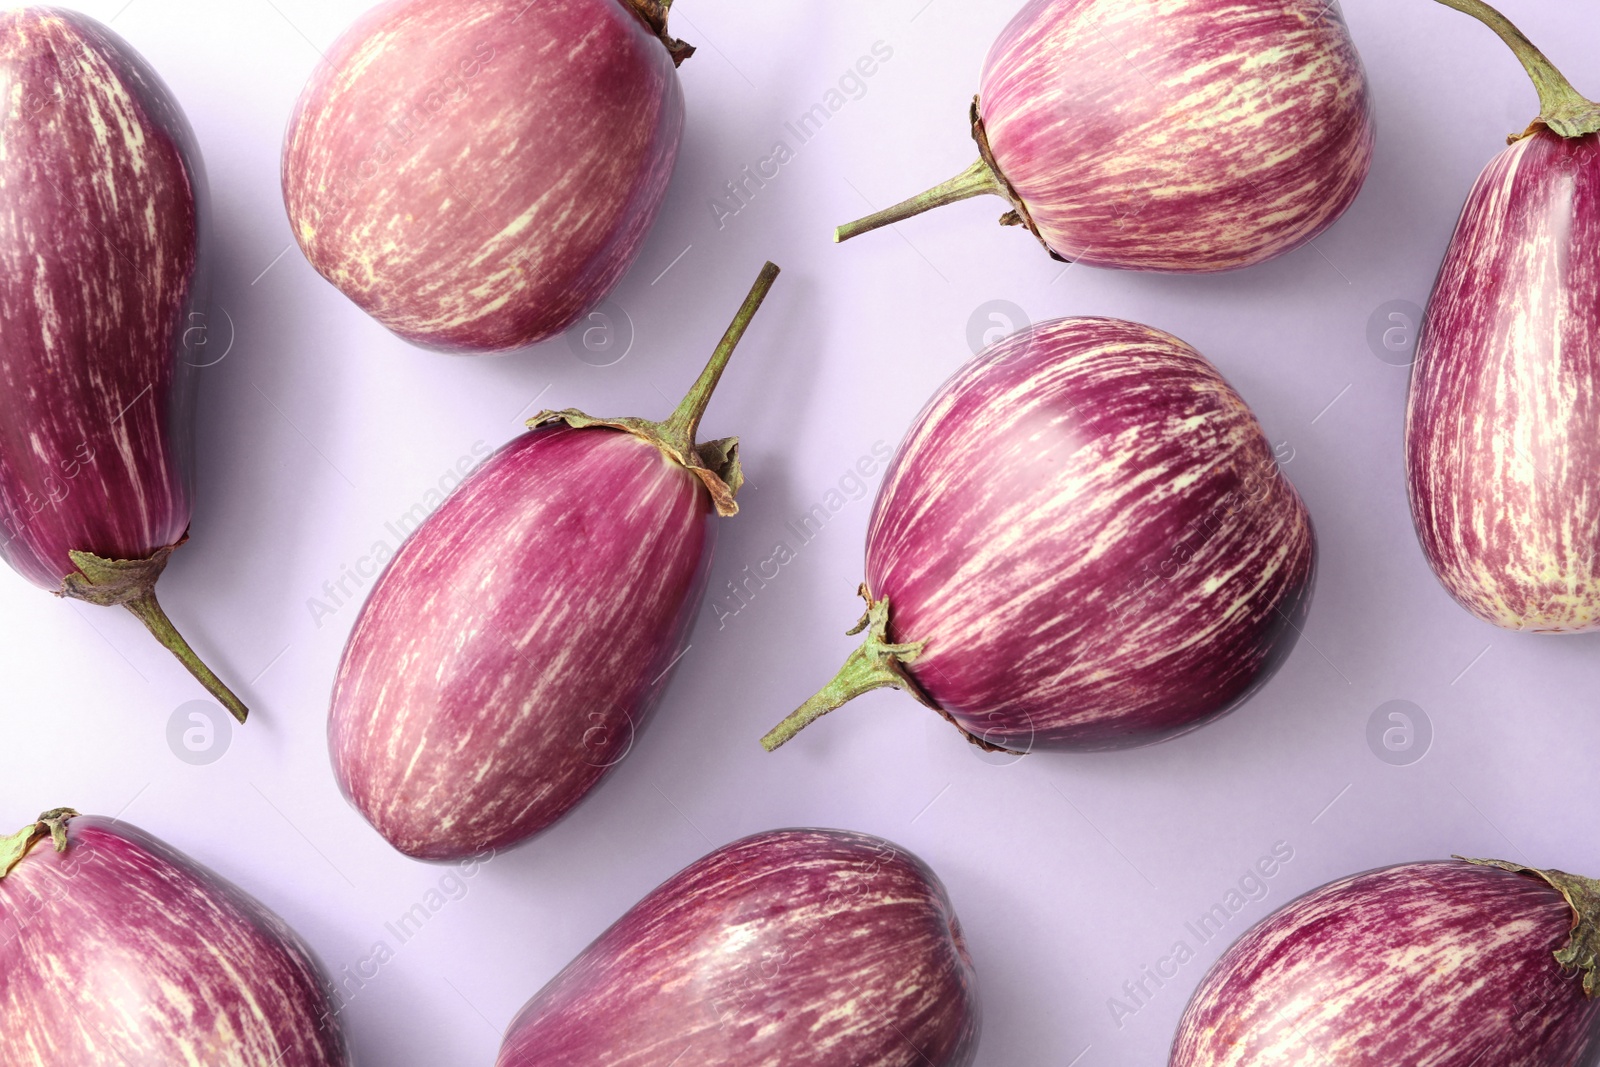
(119, 950)
(478, 174)
(1444, 964)
(1188, 136)
(794, 948)
(1084, 542)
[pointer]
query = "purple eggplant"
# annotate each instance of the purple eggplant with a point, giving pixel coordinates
(1464, 963)
(1503, 419)
(100, 281)
(478, 174)
(514, 646)
(793, 948)
(119, 950)
(1084, 542)
(1188, 136)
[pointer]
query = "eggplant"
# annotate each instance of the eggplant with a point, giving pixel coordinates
(1188, 136)
(120, 950)
(792, 948)
(1449, 963)
(1084, 542)
(1503, 414)
(477, 175)
(100, 277)
(510, 652)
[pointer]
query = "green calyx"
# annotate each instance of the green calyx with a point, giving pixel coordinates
(982, 178)
(52, 824)
(653, 13)
(878, 664)
(1562, 109)
(715, 463)
(131, 583)
(1581, 953)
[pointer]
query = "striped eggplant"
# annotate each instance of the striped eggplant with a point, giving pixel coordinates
(516, 643)
(1184, 136)
(1440, 964)
(478, 174)
(1084, 542)
(1503, 418)
(120, 950)
(102, 200)
(792, 948)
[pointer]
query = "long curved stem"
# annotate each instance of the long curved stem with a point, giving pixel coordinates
(976, 180)
(683, 424)
(1562, 108)
(147, 610)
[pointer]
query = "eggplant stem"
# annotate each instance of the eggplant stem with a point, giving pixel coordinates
(132, 583)
(1562, 108)
(654, 15)
(148, 611)
(976, 180)
(52, 824)
(1581, 953)
(877, 664)
(679, 428)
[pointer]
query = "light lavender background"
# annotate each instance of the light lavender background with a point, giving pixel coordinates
(1070, 873)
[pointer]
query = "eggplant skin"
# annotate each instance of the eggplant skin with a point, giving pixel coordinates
(1437, 964)
(99, 248)
(121, 950)
(512, 650)
(792, 948)
(1503, 420)
(477, 174)
(1090, 533)
(1185, 136)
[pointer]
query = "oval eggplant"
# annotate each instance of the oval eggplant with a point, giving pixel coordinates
(1503, 417)
(510, 651)
(1086, 543)
(478, 174)
(119, 949)
(793, 948)
(1448, 964)
(1186, 137)
(101, 246)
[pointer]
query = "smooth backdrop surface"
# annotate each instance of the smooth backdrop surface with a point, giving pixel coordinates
(1071, 873)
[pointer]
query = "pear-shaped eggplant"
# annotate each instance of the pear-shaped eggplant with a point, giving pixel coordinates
(1503, 418)
(513, 647)
(1183, 136)
(793, 948)
(478, 174)
(100, 286)
(1084, 542)
(1463, 963)
(119, 950)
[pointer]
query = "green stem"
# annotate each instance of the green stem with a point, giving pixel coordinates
(679, 428)
(1582, 950)
(1562, 108)
(877, 664)
(715, 463)
(976, 180)
(52, 823)
(132, 583)
(146, 609)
